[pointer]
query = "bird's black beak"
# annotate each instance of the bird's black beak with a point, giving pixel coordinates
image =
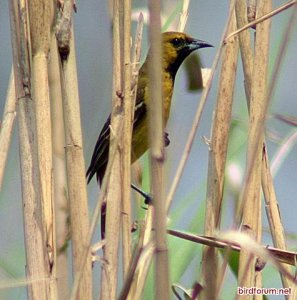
(197, 44)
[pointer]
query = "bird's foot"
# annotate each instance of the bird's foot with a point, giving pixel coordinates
(148, 198)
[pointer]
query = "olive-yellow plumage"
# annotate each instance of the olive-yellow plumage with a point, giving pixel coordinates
(176, 47)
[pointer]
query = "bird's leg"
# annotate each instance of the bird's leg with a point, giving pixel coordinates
(148, 198)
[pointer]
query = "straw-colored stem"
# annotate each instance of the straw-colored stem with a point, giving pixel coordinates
(114, 191)
(251, 196)
(76, 179)
(217, 159)
(157, 152)
(7, 122)
(272, 210)
(36, 252)
(126, 140)
(41, 15)
(59, 172)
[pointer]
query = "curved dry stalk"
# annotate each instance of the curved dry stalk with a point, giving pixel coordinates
(197, 119)
(217, 160)
(9, 114)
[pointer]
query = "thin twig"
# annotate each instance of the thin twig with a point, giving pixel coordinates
(9, 114)
(263, 18)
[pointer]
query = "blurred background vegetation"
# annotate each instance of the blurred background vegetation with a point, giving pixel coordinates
(93, 45)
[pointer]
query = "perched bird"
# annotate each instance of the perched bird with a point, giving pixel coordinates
(176, 47)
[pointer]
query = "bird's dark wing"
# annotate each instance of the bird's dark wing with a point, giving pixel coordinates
(100, 155)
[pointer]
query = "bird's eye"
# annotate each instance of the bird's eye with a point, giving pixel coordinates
(176, 42)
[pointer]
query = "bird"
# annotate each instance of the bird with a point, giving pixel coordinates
(176, 46)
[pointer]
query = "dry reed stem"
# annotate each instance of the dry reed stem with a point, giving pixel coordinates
(41, 15)
(245, 47)
(282, 256)
(263, 18)
(95, 217)
(157, 158)
(6, 126)
(251, 196)
(76, 179)
(125, 292)
(128, 108)
(59, 172)
(217, 160)
(114, 191)
(267, 183)
(97, 209)
(36, 252)
(197, 119)
(272, 208)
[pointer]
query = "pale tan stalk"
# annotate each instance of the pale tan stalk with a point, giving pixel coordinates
(36, 252)
(272, 210)
(95, 217)
(245, 47)
(156, 127)
(76, 179)
(114, 190)
(41, 16)
(7, 122)
(217, 160)
(59, 171)
(128, 107)
(251, 195)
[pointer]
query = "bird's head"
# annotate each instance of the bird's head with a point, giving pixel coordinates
(176, 47)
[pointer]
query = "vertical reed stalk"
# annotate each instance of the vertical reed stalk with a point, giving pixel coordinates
(36, 250)
(157, 152)
(128, 107)
(272, 210)
(251, 191)
(114, 191)
(76, 179)
(217, 159)
(41, 16)
(59, 171)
